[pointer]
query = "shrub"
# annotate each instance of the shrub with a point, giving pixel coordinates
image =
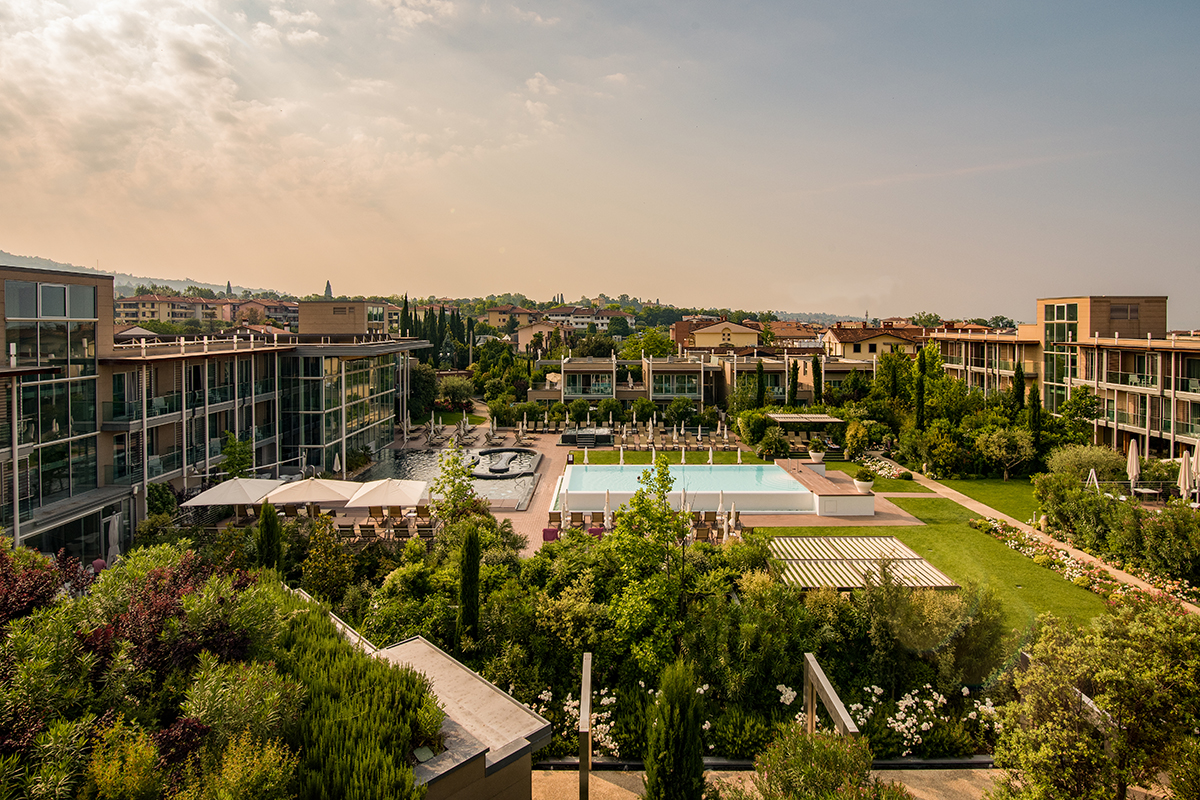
(160, 499)
(327, 570)
(644, 409)
(773, 444)
(1079, 459)
(558, 411)
(905, 476)
(817, 444)
(269, 539)
(857, 440)
(578, 410)
(799, 764)
(457, 390)
(124, 764)
(680, 411)
(610, 406)
(752, 424)
(1185, 770)
(864, 476)
(741, 734)
(230, 698)
(674, 752)
(249, 767)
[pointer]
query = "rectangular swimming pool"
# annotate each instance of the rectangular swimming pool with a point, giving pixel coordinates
(753, 487)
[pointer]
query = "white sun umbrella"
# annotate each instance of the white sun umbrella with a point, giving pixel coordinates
(337, 462)
(1133, 466)
(675, 432)
(622, 455)
(653, 454)
(547, 419)
(566, 512)
(710, 454)
(610, 421)
(635, 418)
(1185, 475)
(683, 499)
(585, 454)
(387, 493)
(235, 492)
(114, 539)
(739, 455)
(589, 419)
(313, 490)
(721, 501)
(683, 456)
(525, 419)
(607, 511)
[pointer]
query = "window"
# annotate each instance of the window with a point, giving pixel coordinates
(20, 299)
(54, 300)
(857, 347)
(83, 301)
(1123, 311)
(339, 311)
(871, 348)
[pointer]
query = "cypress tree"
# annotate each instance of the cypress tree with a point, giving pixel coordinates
(328, 291)
(794, 383)
(468, 587)
(674, 751)
(760, 393)
(818, 381)
(269, 538)
(405, 322)
(1035, 418)
(1018, 388)
(919, 390)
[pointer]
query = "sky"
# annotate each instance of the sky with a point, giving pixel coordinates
(852, 158)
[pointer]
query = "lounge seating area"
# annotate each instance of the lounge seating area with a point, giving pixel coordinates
(704, 526)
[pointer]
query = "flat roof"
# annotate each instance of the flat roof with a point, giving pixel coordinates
(842, 562)
(804, 418)
(506, 727)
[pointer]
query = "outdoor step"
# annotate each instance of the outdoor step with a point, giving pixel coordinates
(585, 440)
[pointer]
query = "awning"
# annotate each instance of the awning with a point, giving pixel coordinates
(840, 562)
(809, 418)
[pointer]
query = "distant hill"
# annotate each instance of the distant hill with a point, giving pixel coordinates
(124, 282)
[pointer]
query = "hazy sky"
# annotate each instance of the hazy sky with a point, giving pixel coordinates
(963, 158)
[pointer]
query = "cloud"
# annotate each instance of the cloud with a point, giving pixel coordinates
(409, 14)
(539, 84)
(617, 77)
(285, 17)
(306, 37)
(264, 35)
(534, 17)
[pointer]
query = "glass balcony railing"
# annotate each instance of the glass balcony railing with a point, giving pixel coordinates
(195, 454)
(264, 386)
(1131, 379)
(194, 399)
(953, 360)
(595, 390)
(163, 463)
(122, 412)
(122, 474)
(264, 431)
(1188, 385)
(214, 447)
(1184, 428)
(220, 394)
(243, 389)
(167, 404)
(1135, 418)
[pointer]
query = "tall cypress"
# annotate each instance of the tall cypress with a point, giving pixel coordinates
(794, 382)
(674, 752)
(405, 322)
(1018, 387)
(760, 392)
(1035, 418)
(818, 381)
(919, 390)
(468, 587)
(269, 538)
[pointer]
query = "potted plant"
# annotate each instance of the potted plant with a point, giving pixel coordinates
(816, 450)
(864, 480)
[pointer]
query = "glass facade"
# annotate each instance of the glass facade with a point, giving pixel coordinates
(52, 325)
(1061, 356)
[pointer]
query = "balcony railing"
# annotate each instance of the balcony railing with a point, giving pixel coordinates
(220, 394)
(1135, 418)
(1183, 428)
(121, 412)
(595, 390)
(1188, 385)
(214, 447)
(243, 389)
(1131, 379)
(264, 431)
(264, 386)
(195, 454)
(162, 464)
(195, 399)
(122, 474)
(167, 404)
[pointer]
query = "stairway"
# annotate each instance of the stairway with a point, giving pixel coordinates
(585, 440)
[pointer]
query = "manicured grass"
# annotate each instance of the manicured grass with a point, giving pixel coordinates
(450, 418)
(1014, 497)
(967, 555)
(643, 457)
(881, 484)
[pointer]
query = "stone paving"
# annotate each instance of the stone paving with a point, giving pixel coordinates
(925, 784)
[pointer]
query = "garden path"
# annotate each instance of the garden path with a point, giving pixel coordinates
(987, 511)
(925, 784)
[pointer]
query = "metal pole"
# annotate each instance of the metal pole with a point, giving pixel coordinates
(585, 727)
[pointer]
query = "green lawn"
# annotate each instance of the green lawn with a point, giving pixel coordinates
(1013, 497)
(881, 484)
(967, 555)
(643, 457)
(450, 418)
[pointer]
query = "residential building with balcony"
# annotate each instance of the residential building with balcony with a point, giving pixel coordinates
(163, 308)
(579, 317)
(987, 360)
(498, 316)
(864, 343)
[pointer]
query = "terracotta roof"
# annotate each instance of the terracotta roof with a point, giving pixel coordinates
(862, 334)
(511, 309)
(608, 312)
(733, 326)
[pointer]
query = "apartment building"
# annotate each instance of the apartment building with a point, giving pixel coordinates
(1147, 381)
(343, 318)
(255, 312)
(97, 421)
(498, 316)
(862, 342)
(579, 317)
(164, 308)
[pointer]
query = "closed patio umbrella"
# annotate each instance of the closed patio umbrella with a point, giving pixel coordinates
(337, 462)
(387, 493)
(1133, 466)
(607, 511)
(235, 492)
(566, 512)
(114, 539)
(1185, 475)
(710, 454)
(683, 456)
(739, 455)
(622, 462)
(585, 455)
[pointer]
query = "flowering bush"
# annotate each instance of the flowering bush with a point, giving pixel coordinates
(882, 467)
(1083, 574)
(923, 723)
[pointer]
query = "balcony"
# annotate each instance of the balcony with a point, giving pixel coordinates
(1135, 418)
(265, 386)
(195, 454)
(244, 389)
(194, 399)
(122, 412)
(1191, 385)
(595, 390)
(220, 394)
(122, 474)
(214, 446)
(161, 464)
(262, 432)
(1191, 429)
(167, 404)
(1135, 379)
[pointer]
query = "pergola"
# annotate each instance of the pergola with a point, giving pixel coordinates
(812, 419)
(842, 562)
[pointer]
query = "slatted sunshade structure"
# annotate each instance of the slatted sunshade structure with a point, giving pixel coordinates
(806, 418)
(813, 562)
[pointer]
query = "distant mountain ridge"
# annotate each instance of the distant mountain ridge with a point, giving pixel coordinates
(121, 279)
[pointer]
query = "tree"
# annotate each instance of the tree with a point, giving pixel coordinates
(468, 588)
(1001, 321)
(328, 291)
(1078, 412)
(1035, 417)
(453, 490)
(1018, 387)
(229, 288)
(269, 537)
(895, 371)
(760, 389)
(794, 384)
(1006, 447)
(926, 319)
(768, 335)
(610, 406)
(818, 381)
(160, 499)
(674, 751)
(651, 341)
(919, 392)
(239, 456)
(422, 389)
(327, 570)
(619, 326)
(680, 411)
(579, 410)
(456, 390)
(510, 327)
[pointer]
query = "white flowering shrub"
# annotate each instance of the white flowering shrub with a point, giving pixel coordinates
(924, 723)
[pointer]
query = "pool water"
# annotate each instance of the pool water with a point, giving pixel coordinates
(693, 478)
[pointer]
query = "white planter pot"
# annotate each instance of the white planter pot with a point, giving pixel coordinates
(817, 457)
(864, 486)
